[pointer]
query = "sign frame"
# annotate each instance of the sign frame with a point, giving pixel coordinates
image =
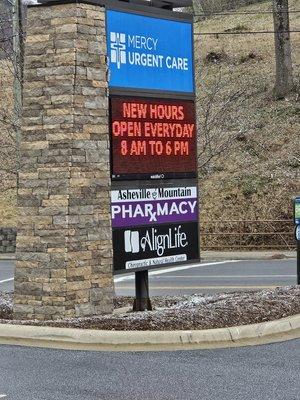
(140, 181)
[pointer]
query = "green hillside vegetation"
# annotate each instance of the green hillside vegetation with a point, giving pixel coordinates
(257, 171)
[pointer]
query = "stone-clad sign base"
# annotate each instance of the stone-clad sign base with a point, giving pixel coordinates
(64, 256)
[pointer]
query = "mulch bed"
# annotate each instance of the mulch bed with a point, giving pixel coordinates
(183, 312)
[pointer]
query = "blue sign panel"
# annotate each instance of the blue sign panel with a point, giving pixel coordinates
(149, 53)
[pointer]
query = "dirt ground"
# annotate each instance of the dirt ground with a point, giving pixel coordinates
(184, 312)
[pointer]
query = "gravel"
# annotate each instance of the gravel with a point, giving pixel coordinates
(6, 305)
(183, 312)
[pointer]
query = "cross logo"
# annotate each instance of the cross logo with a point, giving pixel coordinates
(118, 48)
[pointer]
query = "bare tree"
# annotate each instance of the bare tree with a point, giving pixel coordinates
(220, 121)
(284, 68)
(9, 125)
(11, 67)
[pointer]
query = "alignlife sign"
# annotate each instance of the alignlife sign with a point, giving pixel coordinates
(143, 247)
(149, 52)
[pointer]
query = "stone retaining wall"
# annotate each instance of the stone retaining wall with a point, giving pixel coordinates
(8, 240)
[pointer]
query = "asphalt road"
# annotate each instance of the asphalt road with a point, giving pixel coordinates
(269, 372)
(7, 268)
(210, 277)
(214, 277)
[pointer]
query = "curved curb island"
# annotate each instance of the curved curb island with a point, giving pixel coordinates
(100, 340)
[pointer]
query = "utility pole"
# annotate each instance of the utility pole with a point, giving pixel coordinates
(284, 68)
(18, 55)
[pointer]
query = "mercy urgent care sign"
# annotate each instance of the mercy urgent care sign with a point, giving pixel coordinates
(149, 53)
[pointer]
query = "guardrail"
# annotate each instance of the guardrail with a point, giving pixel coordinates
(247, 235)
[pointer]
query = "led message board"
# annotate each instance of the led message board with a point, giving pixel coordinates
(149, 53)
(140, 248)
(152, 138)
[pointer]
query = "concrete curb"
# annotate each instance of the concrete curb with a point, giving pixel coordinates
(248, 255)
(86, 339)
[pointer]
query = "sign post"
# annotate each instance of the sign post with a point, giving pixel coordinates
(154, 197)
(297, 233)
(298, 254)
(142, 300)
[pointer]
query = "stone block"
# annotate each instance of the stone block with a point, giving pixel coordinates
(78, 285)
(58, 273)
(46, 311)
(37, 38)
(80, 271)
(29, 288)
(54, 288)
(84, 309)
(22, 309)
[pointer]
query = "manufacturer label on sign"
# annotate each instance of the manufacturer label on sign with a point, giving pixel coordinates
(152, 138)
(149, 53)
(133, 207)
(144, 247)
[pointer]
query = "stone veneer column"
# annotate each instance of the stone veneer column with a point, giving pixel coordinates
(64, 245)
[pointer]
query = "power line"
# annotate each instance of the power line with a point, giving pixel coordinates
(208, 33)
(209, 14)
(217, 14)
(243, 33)
(245, 13)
